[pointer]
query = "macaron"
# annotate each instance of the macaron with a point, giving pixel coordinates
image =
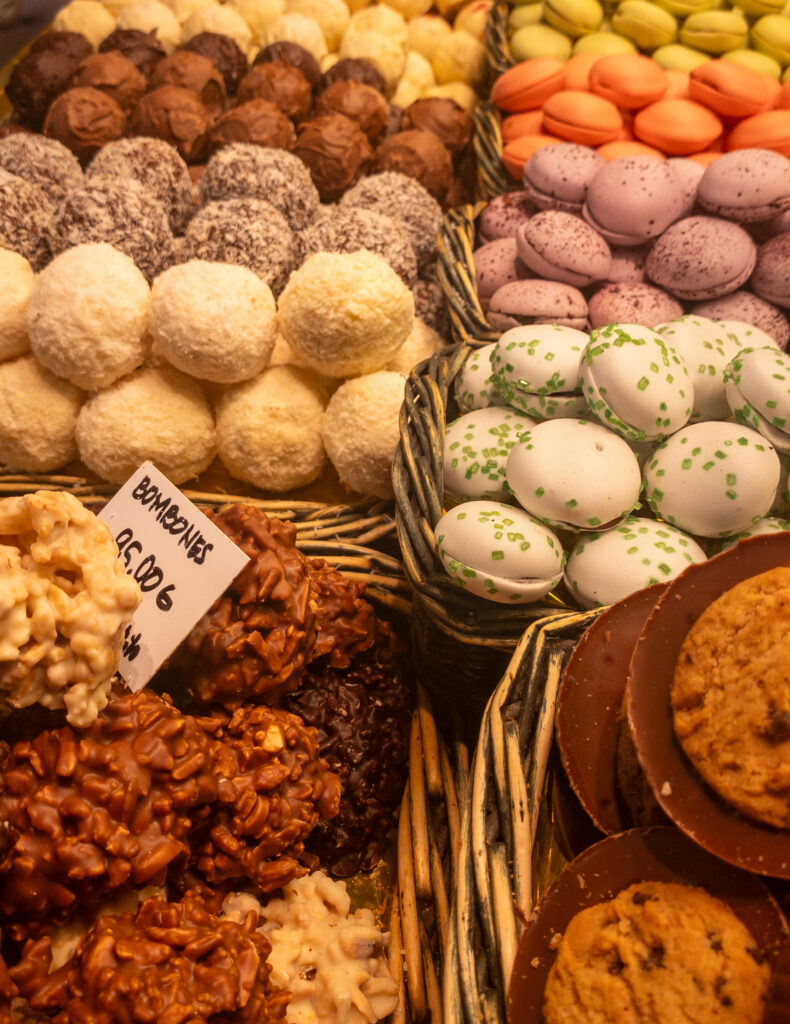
(557, 177)
(472, 386)
(630, 81)
(528, 85)
(577, 70)
(516, 125)
(678, 88)
(745, 335)
(677, 57)
(581, 117)
(561, 247)
(744, 307)
(496, 263)
(636, 303)
(689, 173)
(706, 158)
(633, 199)
(783, 96)
(731, 90)
(516, 153)
(701, 258)
(677, 126)
(540, 42)
(603, 43)
(771, 35)
(706, 348)
(574, 18)
(537, 302)
(714, 31)
(746, 185)
(523, 15)
(627, 265)
(682, 8)
(756, 8)
(769, 130)
(476, 447)
(645, 24)
(754, 60)
(504, 215)
(629, 147)
(771, 277)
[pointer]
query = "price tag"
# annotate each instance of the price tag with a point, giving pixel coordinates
(181, 560)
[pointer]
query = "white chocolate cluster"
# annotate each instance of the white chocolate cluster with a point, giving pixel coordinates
(64, 603)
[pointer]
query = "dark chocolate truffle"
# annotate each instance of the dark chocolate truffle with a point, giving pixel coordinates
(175, 115)
(84, 120)
(248, 232)
(156, 165)
(113, 74)
(258, 122)
(121, 212)
(339, 229)
(359, 102)
(192, 71)
(449, 123)
(36, 80)
(71, 44)
(43, 162)
(420, 155)
(281, 84)
(353, 69)
(278, 177)
(405, 200)
(226, 54)
(143, 49)
(291, 53)
(336, 151)
(24, 216)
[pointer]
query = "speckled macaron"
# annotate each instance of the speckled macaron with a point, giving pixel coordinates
(627, 265)
(633, 199)
(701, 258)
(632, 303)
(757, 389)
(476, 448)
(557, 177)
(497, 263)
(562, 247)
(504, 215)
(537, 302)
(536, 370)
(472, 386)
(744, 307)
(706, 348)
(771, 277)
(747, 186)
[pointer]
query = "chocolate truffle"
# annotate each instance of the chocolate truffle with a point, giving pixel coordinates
(293, 54)
(359, 102)
(157, 166)
(449, 123)
(257, 122)
(25, 214)
(353, 69)
(43, 162)
(113, 74)
(336, 151)
(419, 155)
(84, 120)
(175, 115)
(226, 54)
(71, 44)
(270, 174)
(249, 232)
(121, 212)
(192, 71)
(36, 80)
(338, 229)
(281, 84)
(143, 49)
(405, 200)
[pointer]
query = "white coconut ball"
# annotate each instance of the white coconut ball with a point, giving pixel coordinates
(87, 316)
(269, 429)
(159, 415)
(332, 17)
(346, 314)
(460, 58)
(258, 13)
(184, 9)
(38, 417)
(299, 29)
(224, 20)
(90, 17)
(384, 52)
(152, 16)
(422, 343)
(426, 33)
(361, 431)
(382, 20)
(463, 94)
(410, 8)
(17, 277)
(216, 321)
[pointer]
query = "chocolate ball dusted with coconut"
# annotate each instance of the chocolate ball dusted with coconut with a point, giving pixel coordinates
(44, 162)
(25, 214)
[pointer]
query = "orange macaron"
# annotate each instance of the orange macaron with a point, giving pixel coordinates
(630, 80)
(769, 130)
(582, 117)
(516, 153)
(516, 125)
(614, 150)
(577, 70)
(731, 90)
(527, 86)
(677, 127)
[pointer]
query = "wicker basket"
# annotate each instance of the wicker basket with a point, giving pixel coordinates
(497, 46)
(462, 643)
(509, 855)
(457, 277)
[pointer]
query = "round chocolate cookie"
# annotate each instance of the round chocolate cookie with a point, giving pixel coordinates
(41, 161)
(226, 54)
(143, 49)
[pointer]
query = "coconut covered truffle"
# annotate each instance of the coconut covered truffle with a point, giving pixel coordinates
(88, 316)
(405, 200)
(41, 161)
(216, 321)
(269, 429)
(248, 232)
(337, 229)
(123, 213)
(422, 343)
(25, 213)
(361, 431)
(154, 164)
(160, 415)
(88, 17)
(243, 170)
(346, 313)
(17, 277)
(151, 16)
(29, 441)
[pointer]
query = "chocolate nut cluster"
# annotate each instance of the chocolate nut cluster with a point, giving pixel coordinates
(168, 962)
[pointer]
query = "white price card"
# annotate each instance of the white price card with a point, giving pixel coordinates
(181, 560)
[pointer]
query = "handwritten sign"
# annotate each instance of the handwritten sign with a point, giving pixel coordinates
(181, 560)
